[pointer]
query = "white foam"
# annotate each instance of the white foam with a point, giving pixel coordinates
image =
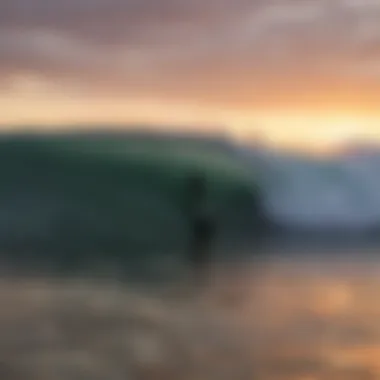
(308, 192)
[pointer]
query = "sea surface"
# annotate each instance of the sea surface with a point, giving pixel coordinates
(306, 311)
(310, 314)
(300, 304)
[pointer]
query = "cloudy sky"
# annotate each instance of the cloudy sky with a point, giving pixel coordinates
(294, 68)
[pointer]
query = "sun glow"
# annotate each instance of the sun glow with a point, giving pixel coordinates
(315, 133)
(305, 130)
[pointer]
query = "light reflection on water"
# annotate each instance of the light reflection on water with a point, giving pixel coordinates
(311, 315)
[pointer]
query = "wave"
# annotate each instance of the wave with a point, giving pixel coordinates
(338, 193)
(126, 191)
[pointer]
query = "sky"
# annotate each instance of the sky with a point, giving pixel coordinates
(294, 72)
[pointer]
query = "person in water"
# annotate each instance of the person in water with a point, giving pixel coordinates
(202, 226)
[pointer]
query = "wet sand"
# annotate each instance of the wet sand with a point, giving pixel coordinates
(296, 317)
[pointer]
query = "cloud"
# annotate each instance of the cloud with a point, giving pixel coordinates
(222, 51)
(111, 21)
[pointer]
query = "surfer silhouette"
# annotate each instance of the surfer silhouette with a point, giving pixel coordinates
(202, 226)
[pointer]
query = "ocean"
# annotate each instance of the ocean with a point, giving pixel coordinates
(95, 283)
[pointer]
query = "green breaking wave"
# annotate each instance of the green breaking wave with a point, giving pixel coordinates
(117, 192)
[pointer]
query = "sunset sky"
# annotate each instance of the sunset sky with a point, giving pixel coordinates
(295, 72)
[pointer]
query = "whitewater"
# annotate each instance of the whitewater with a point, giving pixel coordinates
(340, 192)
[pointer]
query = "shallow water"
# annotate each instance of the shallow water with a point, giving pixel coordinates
(312, 313)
